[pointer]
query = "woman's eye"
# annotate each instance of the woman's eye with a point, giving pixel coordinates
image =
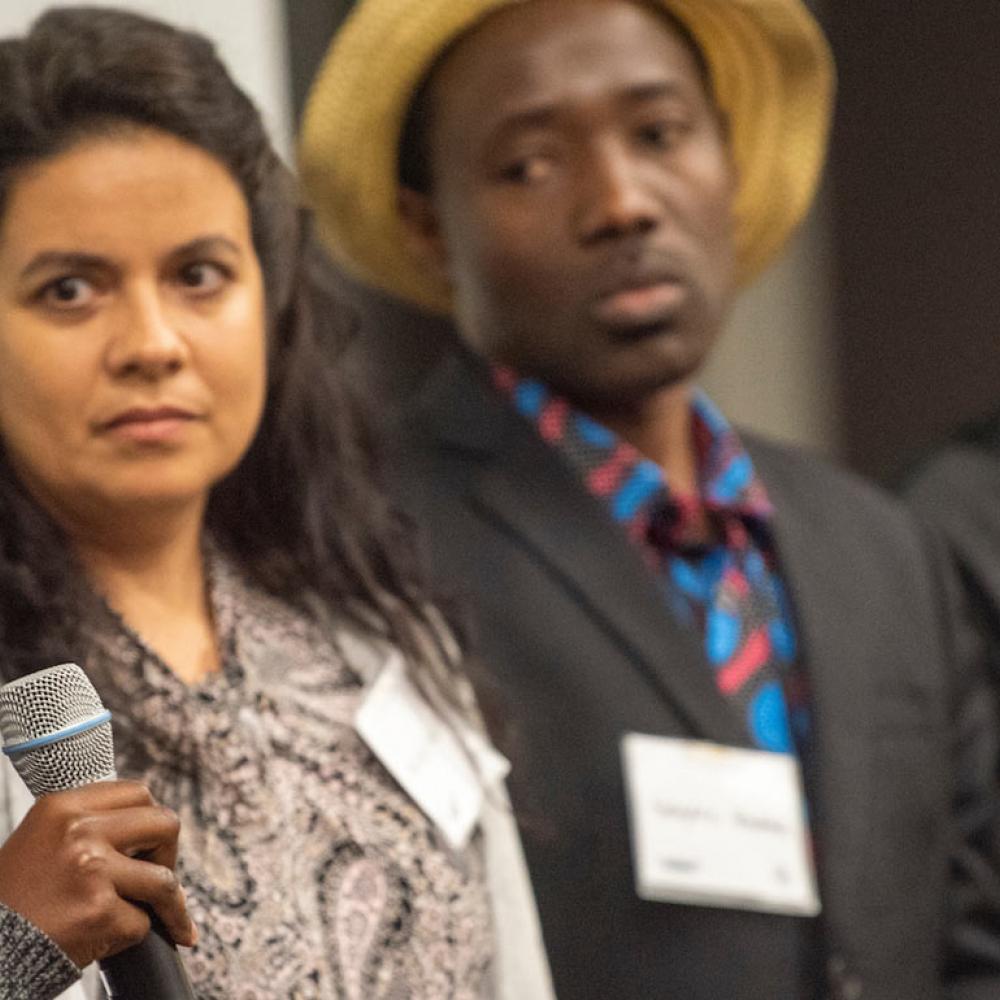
(204, 277)
(68, 293)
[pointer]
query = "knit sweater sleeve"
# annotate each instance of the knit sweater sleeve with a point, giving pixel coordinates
(32, 965)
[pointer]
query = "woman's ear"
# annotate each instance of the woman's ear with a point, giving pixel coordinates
(423, 232)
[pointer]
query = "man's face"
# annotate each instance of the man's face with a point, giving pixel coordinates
(581, 200)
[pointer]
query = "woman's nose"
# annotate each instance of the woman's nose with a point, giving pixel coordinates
(148, 342)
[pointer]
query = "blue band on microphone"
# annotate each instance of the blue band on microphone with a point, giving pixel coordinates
(62, 734)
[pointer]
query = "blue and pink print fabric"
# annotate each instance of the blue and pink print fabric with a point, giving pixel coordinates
(723, 582)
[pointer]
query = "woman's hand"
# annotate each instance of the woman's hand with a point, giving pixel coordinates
(73, 869)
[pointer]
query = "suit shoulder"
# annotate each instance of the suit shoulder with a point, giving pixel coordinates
(796, 476)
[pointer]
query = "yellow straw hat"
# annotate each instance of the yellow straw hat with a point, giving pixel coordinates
(772, 75)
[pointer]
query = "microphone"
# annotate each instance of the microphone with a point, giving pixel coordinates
(57, 734)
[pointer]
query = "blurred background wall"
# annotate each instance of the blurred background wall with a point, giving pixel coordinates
(873, 336)
(915, 183)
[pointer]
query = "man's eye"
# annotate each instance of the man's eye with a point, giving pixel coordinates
(68, 293)
(528, 170)
(663, 134)
(204, 277)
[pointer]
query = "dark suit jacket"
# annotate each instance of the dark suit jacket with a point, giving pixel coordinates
(576, 637)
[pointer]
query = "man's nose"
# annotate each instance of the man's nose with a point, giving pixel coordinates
(615, 198)
(147, 342)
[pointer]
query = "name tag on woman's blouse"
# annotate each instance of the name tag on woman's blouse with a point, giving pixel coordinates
(718, 826)
(426, 755)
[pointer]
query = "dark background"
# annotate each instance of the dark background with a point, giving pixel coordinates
(916, 213)
(915, 208)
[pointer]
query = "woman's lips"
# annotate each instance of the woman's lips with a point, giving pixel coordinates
(643, 306)
(150, 426)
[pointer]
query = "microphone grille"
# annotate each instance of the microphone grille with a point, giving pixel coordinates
(41, 706)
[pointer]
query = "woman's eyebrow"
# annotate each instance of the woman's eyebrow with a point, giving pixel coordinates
(75, 260)
(70, 260)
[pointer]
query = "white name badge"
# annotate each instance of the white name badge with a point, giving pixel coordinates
(718, 826)
(425, 755)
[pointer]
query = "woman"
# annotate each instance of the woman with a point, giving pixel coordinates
(186, 510)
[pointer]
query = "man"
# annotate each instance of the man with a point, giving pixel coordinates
(677, 622)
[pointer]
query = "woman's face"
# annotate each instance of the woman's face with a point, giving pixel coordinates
(132, 330)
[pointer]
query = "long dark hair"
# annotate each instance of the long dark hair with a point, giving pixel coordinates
(301, 514)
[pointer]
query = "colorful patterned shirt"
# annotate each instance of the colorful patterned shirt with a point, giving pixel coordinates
(729, 587)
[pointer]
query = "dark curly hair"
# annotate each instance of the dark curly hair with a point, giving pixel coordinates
(301, 514)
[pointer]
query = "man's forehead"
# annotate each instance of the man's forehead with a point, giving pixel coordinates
(529, 58)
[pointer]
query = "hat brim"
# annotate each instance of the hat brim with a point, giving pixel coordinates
(772, 76)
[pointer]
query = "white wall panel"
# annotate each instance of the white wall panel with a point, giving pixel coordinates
(776, 369)
(250, 35)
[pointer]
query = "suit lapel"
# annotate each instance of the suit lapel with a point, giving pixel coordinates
(522, 484)
(833, 656)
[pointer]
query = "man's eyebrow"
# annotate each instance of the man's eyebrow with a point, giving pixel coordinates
(652, 91)
(207, 244)
(545, 114)
(528, 118)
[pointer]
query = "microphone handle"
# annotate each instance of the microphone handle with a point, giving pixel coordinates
(149, 970)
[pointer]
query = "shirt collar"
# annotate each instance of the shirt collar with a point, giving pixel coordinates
(620, 476)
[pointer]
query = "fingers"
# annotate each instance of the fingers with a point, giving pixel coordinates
(144, 841)
(116, 924)
(139, 881)
(79, 859)
(150, 831)
(99, 796)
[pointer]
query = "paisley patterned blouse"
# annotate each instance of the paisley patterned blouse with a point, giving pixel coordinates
(308, 871)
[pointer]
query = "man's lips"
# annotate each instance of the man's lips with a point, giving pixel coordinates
(642, 303)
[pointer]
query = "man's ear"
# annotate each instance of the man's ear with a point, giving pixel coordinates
(423, 231)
